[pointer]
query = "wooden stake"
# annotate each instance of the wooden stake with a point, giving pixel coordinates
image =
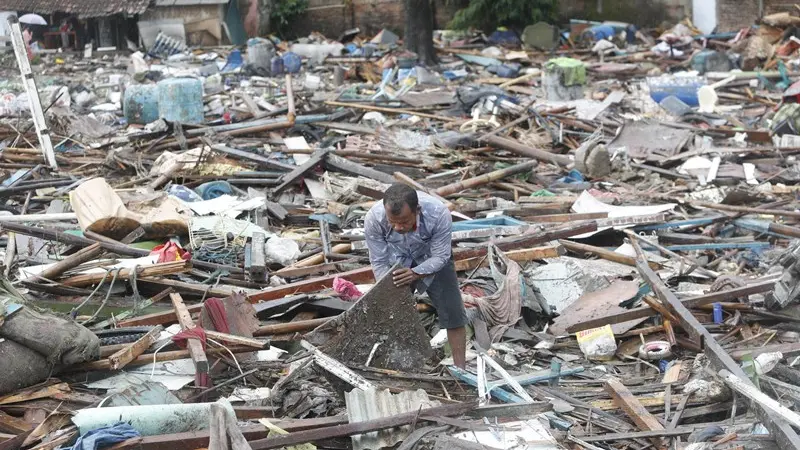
(122, 357)
(193, 345)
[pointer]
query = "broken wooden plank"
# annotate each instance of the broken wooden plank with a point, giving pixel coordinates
(238, 340)
(526, 240)
(290, 327)
(194, 346)
(603, 253)
(162, 318)
(294, 176)
(633, 408)
(749, 390)
(34, 393)
(644, 312)
(470, 183)
(13, 425)
(523, 255)
(784, 435)
(147, 358)
(168, 268)
(122, 357)
(74, 260)
(357, 276)
(250, 156)
(339, 164)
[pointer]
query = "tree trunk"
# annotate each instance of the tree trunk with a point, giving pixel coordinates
(264, 17)
(419, 30)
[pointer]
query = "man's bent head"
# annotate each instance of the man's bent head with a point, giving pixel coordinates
(401, 204)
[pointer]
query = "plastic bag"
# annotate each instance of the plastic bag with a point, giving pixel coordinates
(597, 344)
(282, 251)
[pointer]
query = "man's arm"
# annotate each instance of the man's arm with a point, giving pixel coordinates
(379, 255)
(441, 247)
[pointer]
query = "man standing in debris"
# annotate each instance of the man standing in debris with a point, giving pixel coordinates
(413, 229)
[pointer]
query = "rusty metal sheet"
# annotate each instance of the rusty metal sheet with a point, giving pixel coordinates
(597, 304)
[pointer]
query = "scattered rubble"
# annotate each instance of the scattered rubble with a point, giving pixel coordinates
(185, 264)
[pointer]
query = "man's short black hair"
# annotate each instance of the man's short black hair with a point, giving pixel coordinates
(397, 196)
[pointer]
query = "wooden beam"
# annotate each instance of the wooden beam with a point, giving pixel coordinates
(162, 318)
(148, 358)
(122, 357)
(290, 327)
(470, 183)
(74, 260)
(694, 302)
(193, 345)
(603, 253)
(778, 427)
(527, 240)
(168, 268)
(203, 290)
(753, 393)
(293, 176)
(523, 255)
(34, 393)
(238, 340)
(357, 276)
(636, 411)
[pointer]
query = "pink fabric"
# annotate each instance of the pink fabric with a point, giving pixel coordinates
(170, 252)
(346, 289)
(181, 339)
(216, 311)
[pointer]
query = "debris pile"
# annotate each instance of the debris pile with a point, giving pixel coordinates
(186, 263)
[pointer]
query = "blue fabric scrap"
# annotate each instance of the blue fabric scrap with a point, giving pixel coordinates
(105, 437)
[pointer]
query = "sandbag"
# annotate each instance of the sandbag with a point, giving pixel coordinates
(22, 367)
(60, 341)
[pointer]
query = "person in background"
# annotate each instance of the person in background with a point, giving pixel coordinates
(414, 229)
(27, 37)
(65, 28)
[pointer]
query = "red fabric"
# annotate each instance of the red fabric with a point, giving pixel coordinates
(171, 252)
(216, 312)
(473, 290)
(346, 289)
(181, 338)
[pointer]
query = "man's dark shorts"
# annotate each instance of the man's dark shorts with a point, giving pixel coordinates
(446, 297)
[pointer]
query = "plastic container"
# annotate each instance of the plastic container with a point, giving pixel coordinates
(260, 52)
(683, 87)
(140, 103)
(276, 66)
(181, 100)
(292, 62)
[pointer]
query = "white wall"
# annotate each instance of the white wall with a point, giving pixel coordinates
(704, 15)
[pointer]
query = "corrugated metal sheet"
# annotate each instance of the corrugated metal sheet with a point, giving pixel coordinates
(373, 404)
(81, 8)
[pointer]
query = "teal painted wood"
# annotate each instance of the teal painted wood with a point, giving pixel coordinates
(141, 103)
(181, 100)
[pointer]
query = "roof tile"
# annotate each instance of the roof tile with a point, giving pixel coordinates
(82, 8)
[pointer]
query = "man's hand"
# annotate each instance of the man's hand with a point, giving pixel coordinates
(404, 277)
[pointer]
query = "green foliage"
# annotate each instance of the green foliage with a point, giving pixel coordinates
(488, 15)
(284, 11)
